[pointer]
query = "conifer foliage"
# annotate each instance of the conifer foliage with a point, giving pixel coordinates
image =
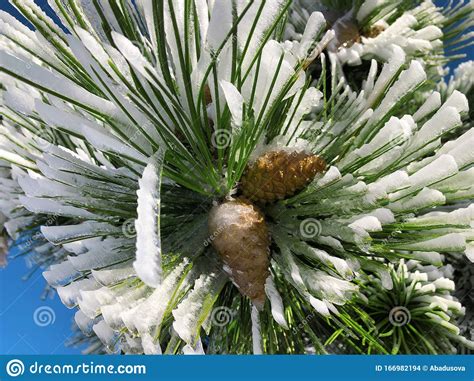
(244, 176)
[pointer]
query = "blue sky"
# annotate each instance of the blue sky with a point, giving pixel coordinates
(19, 334)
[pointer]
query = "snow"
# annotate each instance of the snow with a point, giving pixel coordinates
(432, 103)
(384, 215)
(104, 254)
(151, 312)
(113, 274)
(313, 29)
(431, 257)
(367, 8)
(107, 143)
(388, 184)
(328, 288)
(461, 216)
(276, 302)
(444, 284)
(70, 233)
(60, 274)
(90, 301)
(69, 294)
(294, 125)
(386, 279)
(319, 306)
(256, 334)
(107, 335)
(148, 262)
(407, 81)
(49, 206)
(425, 198)
(19, 100)
(57, 85)
(272, 79)
(150, 346)
(84, 323)
(321, 45)
(389, 71)
(197, 350)
(450, 242)
(235, 101)
(443, 121)
(394, 132)
(457, 100)
(443, 167)
(15, 159)
(339, 264)
(269, 12)
(462, 151)
(188, 314)
(368, 83)
(367, 223)
(470, 251)
(135, 57)
(429, 33)
(125, 301)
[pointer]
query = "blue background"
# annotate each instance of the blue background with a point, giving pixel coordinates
(19, 299)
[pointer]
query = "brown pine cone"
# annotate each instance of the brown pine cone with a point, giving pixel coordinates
(239, 234)
(278, 174)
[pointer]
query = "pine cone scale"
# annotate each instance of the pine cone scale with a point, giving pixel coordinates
(279, 174)
(242, 241)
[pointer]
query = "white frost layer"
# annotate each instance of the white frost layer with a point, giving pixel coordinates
(192, 311)
(197, 350)
(150, 313)
(148, 262)
(71, 233)
(278, 310)
(150, 347)
(234, 100)
(256, 334)
(60, 274)
(69, 294)
(426, 198)
(449, 242)
(84, 323)
(106, 334)
(432, 103)
(440, 169)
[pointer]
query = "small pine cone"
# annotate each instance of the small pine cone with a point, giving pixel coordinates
(279, 174)
(240, 236)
